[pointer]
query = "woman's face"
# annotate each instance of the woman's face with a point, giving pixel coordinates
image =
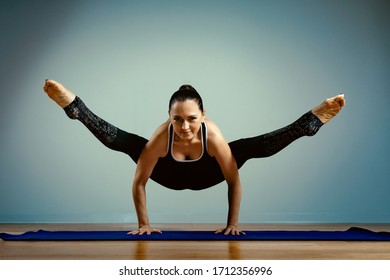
(186, 118)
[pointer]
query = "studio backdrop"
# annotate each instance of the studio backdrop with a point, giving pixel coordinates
(259, 65)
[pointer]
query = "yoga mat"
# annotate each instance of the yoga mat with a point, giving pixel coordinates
(352, 234)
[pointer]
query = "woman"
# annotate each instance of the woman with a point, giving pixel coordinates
(188, 151)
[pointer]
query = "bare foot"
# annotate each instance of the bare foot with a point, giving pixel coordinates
(58, 93)
(329, 108)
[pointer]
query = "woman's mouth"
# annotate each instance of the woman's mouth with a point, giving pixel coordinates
(185, 133)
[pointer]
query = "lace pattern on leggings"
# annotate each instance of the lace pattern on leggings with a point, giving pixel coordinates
(271, 143)
(104, 131)
(307, 125)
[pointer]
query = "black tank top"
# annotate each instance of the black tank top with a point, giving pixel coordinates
(196, 174)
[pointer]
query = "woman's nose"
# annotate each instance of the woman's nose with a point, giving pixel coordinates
(185, 125)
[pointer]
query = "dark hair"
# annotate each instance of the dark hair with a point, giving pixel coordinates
(186, 92)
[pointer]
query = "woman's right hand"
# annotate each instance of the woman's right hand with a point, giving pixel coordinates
(144, 229)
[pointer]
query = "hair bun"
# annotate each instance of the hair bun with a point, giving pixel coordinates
(187, 87)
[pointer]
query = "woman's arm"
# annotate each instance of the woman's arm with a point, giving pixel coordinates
(145, 167)
(218, 147)
(154, 149)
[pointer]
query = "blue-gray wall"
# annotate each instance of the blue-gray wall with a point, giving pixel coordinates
(258, 64)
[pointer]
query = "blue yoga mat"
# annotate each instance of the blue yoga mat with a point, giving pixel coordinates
(352, 234)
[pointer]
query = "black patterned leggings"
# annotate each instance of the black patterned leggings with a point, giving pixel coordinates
(243, 149)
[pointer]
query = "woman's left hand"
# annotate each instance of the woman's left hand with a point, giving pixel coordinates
(147, 229)
(229, 229)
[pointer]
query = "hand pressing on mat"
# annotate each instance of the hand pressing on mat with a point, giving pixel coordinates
(144, 229)
(229, 229)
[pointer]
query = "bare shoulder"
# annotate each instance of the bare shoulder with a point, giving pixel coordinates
(162, 130)
(158, 142)
(213, 130)
(215, 140)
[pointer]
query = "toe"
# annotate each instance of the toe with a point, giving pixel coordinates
(341, 100)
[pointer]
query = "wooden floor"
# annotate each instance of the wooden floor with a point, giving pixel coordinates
(192, 250)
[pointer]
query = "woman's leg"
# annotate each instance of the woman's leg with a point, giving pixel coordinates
(270, 143)
(111, 136)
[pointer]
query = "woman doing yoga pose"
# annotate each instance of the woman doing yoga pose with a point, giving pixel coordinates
(188, 151)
